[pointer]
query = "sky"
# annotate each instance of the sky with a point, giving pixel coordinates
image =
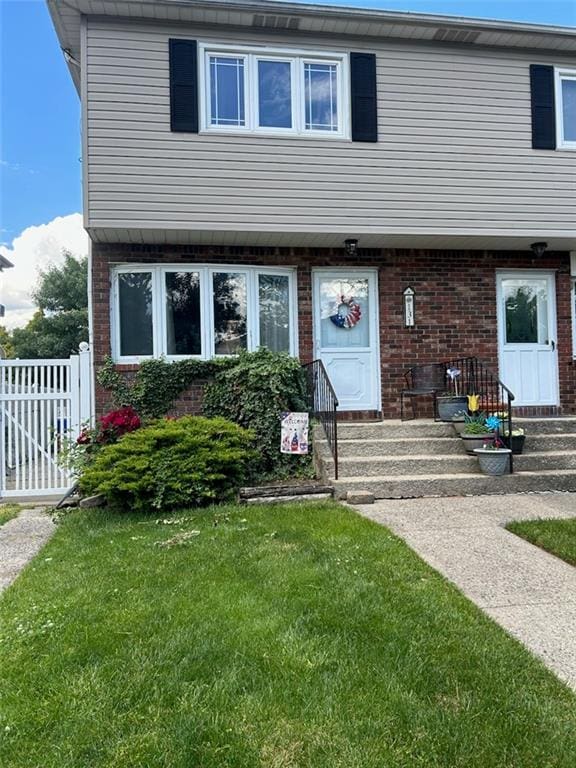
(40, 147)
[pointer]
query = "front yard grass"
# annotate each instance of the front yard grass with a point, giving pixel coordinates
(278, 637)
(555, 536)
(8, 511)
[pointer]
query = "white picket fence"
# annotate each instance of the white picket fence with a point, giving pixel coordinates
(43, 403)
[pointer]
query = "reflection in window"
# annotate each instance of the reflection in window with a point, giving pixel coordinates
(321, 97)
(226, 91)
(183, 330)
(569, 108)
(526, 308)
(135, 299)
(274, 94)
(274, 305)
(230, 313)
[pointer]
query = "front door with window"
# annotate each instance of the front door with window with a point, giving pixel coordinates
(527, 336)
(346, 335)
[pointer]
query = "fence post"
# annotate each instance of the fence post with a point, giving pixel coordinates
(74, 394)
(85, 383)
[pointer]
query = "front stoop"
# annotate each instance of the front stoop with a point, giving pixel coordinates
(399, 460)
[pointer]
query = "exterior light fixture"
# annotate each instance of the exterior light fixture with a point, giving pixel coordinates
(351, 246)
(538, 249)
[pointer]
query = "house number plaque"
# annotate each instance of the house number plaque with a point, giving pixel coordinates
(409, 312)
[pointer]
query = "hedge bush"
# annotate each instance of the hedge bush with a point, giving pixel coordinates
(172, 463)
(254, 393)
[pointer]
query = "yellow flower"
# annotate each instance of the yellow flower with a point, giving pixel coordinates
(473, 403)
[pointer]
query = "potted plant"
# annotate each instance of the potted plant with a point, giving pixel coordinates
(494, 457)
(451, 403)
(461, 418)
(477, 431)
(459, 421)
(515, 440)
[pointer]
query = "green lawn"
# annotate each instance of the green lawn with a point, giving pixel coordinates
(276, 637)
(555, 536)
(8, 511)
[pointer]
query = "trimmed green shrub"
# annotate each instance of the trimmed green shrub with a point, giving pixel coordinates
(254, 393)
(172, 463)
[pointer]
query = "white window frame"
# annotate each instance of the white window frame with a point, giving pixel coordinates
(297, 58)
(206, 271)
(115, 315)
(162, 314)
(560, 75)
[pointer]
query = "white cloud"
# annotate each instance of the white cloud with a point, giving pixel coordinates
(35, 249)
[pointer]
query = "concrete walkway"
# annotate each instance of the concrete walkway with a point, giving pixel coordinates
(528, 592)
(20, 540)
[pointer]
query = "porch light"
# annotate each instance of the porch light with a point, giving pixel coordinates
(351, 246)
(538, 249)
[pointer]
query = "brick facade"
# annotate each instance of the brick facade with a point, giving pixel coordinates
(455, 304)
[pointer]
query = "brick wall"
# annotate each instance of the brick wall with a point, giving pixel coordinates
(455, 303)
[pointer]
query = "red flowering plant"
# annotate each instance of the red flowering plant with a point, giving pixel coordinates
(110, 428)
(117, 423)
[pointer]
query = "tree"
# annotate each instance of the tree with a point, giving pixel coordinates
(6, 349)
(63, 288)
(61, 322)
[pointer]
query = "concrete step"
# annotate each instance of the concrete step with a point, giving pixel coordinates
(393, 428)
(536, 443)
(385, 466)
(416, 486)
(397, 446)
(547, 426)
(535, 461)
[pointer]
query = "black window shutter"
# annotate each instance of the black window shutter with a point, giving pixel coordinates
(183, 85)
(543, 106)
(363, 97)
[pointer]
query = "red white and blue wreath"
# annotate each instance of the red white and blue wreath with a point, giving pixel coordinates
(350, 317)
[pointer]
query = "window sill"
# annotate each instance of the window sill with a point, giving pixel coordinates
(276, 135)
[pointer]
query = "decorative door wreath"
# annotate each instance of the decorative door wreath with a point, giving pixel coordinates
(352, 316)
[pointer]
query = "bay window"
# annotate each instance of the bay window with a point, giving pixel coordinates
(200, 311)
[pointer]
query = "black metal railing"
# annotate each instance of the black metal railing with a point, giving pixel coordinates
(475, 378)
(323, 405)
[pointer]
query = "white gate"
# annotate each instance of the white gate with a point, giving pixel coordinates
(43, 403)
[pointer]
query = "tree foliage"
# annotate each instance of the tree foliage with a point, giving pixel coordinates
(6, 348)
(61, 322)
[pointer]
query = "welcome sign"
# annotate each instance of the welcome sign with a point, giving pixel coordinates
(294, 433)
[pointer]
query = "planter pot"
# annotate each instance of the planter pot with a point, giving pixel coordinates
(473, 442)
(516, 443)
(494, 462)
(448, 406)
(458, 425)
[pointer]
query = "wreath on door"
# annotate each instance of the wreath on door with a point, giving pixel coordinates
(350, 317)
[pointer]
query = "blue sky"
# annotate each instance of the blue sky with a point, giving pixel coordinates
(40, 116)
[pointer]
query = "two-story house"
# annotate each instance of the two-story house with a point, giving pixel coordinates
(365, 187)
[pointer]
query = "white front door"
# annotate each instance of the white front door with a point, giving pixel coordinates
(527, 336)
(346, 335)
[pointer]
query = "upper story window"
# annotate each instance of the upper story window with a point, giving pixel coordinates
(566, 108)
(274, 92)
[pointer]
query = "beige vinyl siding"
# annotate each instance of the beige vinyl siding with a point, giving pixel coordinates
(454, 153)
